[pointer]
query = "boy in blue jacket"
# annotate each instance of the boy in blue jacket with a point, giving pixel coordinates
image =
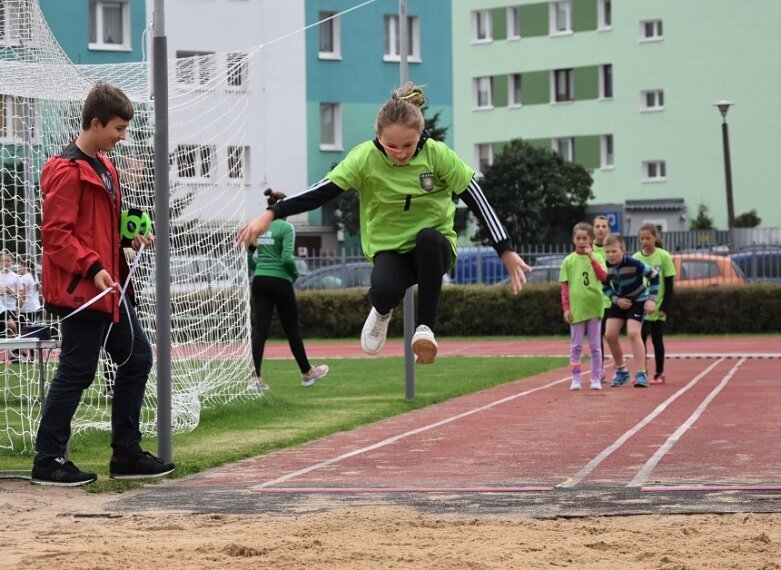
(631, 298)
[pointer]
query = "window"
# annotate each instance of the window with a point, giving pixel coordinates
(484, 93)
(485, 156)
(560, 17)
(606, 152)
(565, 147)
(481, 26)
(194, 161)
(237, 69)
(606, 81)
(563, 88)
(330, 43)
(237, 160)
(652, 100)
(9, 23)
(194, 67)
(654, 171)
(514, 89)
(109, 25)
(513, 22)
(604, 15)
(392, 50)
(330, 126)
(651, 30)
(18, 118)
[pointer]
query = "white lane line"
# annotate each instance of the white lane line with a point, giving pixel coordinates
(399, 437)
(649, 466)
(594, 463)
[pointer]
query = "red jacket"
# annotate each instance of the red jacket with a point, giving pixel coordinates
(80, 236)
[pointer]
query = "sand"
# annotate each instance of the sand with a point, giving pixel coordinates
(44, 527)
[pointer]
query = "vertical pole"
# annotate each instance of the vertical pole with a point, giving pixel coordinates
(728, 175)
(409, 295)
(163, 231)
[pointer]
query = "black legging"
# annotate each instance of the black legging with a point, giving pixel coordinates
(394, 272)
(656, 328)
(267, 293)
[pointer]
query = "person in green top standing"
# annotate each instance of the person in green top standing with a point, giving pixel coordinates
(272, 286)
(581, 276)
(406, 182)
(601, 230)
(652, 254)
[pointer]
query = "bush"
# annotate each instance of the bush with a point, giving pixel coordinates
(479, 310)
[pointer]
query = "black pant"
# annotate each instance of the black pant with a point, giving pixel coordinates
(81, 342)
(394, 272)
(267, 293)
(656, 329)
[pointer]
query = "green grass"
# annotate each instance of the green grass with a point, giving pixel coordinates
(356, 392)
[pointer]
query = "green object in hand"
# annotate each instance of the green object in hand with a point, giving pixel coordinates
(134, 223)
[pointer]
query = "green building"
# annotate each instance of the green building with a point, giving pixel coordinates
(627, 89)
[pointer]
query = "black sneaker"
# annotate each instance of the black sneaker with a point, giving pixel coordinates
(141, 466)
(59, 473)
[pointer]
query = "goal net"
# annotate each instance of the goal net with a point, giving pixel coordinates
(41, 95)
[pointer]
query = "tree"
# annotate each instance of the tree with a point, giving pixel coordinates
(702, 221)
(748, 219)
(348, 205)
(536, 194)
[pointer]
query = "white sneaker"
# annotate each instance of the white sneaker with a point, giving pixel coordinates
(257, 385)
(315, 374)
(575, 385)
(424, 345)
(596, 384)
(375, 329)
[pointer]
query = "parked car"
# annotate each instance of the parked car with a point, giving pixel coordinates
(761, 265)
(343, 276)
(194, 274)
(478, 265)
(706, 270)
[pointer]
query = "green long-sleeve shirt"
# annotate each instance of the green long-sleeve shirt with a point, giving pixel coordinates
(275, 252)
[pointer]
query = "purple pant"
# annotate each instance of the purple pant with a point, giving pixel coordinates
(593, 329)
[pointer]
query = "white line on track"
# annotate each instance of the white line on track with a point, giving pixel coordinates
(594, 463)
(399, 437)
(649, 466)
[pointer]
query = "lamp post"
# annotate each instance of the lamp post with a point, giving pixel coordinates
(724, 106)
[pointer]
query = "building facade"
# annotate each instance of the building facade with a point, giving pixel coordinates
(627, 90)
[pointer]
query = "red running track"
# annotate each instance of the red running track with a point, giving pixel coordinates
(714, 423)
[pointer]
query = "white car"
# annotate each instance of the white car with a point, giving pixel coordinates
(194, 274)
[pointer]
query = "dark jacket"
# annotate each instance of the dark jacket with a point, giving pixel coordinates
(80, 236)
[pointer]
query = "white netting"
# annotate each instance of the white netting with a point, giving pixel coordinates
(41, 94)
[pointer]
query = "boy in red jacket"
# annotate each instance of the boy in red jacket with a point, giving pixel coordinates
(82, 257)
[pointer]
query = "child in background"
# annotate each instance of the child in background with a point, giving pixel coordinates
(582, 273)
(631, 298)
(651, 253)
(601, 231)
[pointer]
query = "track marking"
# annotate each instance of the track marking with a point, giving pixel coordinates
(649, 466)
(399, 437)
(709, 488)
(594, 463)
(379, 490)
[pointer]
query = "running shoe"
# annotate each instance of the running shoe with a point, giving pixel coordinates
(641, 380)
(621, 378)
(424, 345)
(575, 385)
(374, 332)
(315, 374)
(658, 379)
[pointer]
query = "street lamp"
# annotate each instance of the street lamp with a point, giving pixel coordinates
(724, 106)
